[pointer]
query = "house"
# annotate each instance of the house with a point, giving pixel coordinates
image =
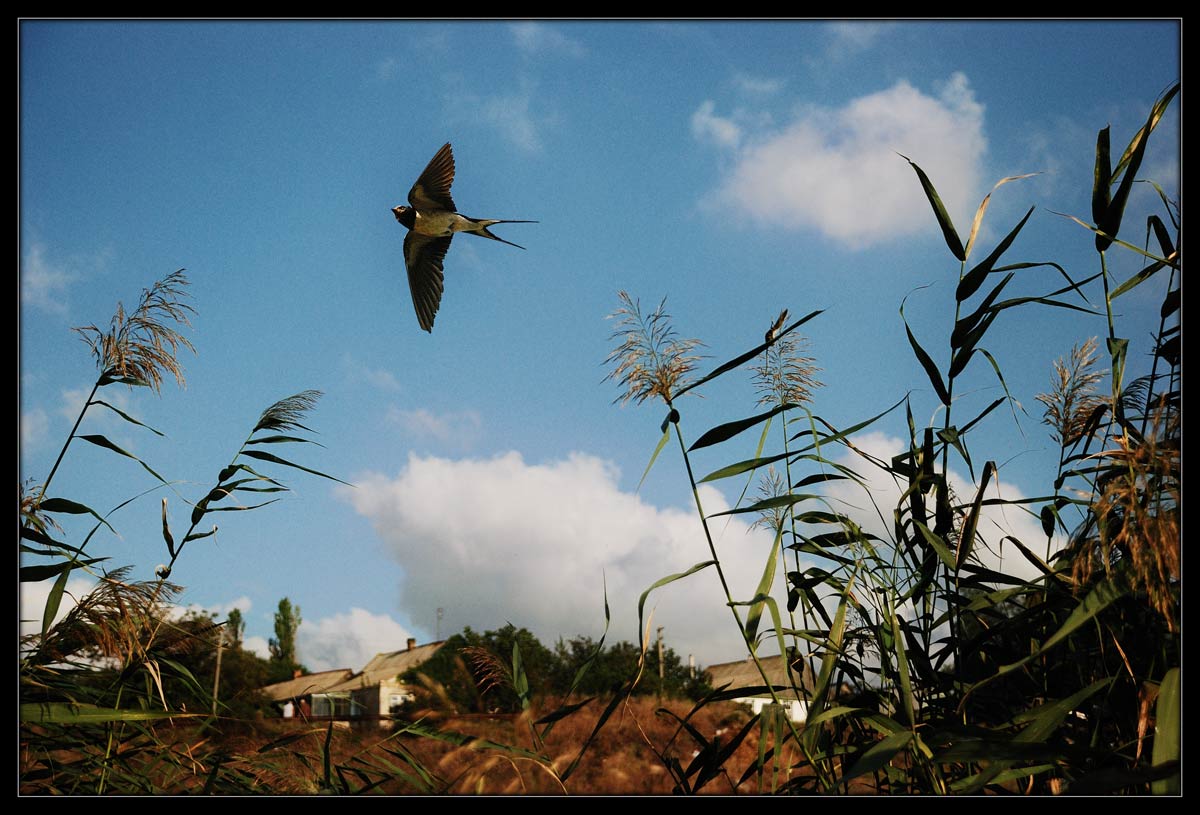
(373, 694)
(306, 695)
(378, 691)
(745, 674)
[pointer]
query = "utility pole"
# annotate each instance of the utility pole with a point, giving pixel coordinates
(217, 677)
(440, 612)
(660, 664)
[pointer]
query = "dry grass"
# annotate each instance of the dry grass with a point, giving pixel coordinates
(650, 359)
(624, 759)
(141, 346)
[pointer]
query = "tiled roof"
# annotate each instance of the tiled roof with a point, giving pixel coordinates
(744, 674)
(383, 667)
(306, 684)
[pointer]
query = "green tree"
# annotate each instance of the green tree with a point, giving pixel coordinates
(283, 645)
(616, 665)
(236, 627)
(473, 671)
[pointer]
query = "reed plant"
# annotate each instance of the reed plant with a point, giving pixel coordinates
(936, 671)
(97, 712)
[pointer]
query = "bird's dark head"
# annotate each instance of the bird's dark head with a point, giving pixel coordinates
(405, 215)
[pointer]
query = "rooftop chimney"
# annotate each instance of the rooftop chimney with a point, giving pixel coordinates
(412, 643)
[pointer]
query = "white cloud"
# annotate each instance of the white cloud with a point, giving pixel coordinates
(348, 640)
(850, 38)
(34, 426)
(500, 540)
(43, 283)
(518, 115)
(512, 117)
(756, 85)
(460, 429)
(380, 378)
(995, 521)
(533, 38)
(837, 170)
(98, 416)
(258, 646)
(33, 599)
(717, 129)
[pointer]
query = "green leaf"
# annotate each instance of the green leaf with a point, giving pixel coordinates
(67, 713)
(653, 457)
(964, 325)
(277, 460)
(40, 572)
(973, 279)
(199, 535)
(906, 691)
(742, 467)
(1128, 167)
(1168, 730)
(1156, 113)
(53, 601)
(939, 210)
(68, 507)
(939, 545)
(124, 415)
(774, 502)
(983, 205)
(728, 430)
(879, 754)
(742, 359)
(963, 356)
(278, 439)
(1043, 722)
(1165, 244)
(1145, 274)
(829, 660)
(931, 370)
(1117, 348)
(970, 527)
(1099, 598)
(659, 584)
(101, 441)
(764, 588)
(1102, 177)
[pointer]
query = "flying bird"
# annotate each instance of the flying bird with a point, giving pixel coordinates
(432, 219)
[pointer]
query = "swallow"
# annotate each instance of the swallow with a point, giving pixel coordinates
(432, 219)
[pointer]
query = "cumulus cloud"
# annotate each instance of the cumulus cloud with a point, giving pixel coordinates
(34, 426)
(513, 118)
(535, 38)
(502, 540)
(33, 600)
(757, 85)
(43, 283)
(837, 170)
(258, 646)
(720, 130)
(348, 640)
(995, 522)
(379, 378)
(854, 37)
(460, 429)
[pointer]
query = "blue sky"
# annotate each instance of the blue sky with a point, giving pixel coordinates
(733, 168)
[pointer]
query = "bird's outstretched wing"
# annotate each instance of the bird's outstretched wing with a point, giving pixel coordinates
(423, 255)
(432, 190)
